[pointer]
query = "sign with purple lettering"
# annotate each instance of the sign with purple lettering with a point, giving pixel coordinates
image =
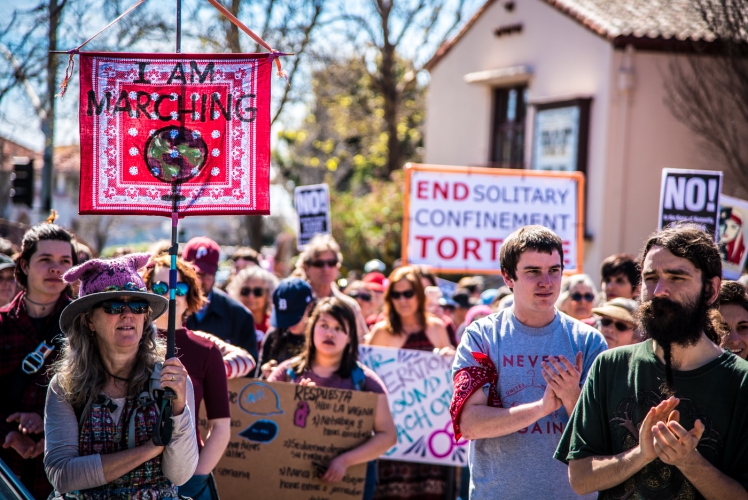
(420, 390)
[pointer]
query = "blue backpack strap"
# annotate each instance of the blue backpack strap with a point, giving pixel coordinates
(358, 377)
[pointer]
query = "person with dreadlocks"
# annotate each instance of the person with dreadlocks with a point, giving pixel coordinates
(667, 417)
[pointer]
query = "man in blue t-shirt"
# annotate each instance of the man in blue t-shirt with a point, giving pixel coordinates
(518, 374)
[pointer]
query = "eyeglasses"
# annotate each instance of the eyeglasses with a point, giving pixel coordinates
(323, 263)
(257, 291)
(162, 287)
(118, 306)
(620, 326)
(408, 294)
(578, 297)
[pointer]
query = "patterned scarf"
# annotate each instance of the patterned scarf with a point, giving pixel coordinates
(470, 379)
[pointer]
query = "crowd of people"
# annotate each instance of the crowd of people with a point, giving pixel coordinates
(637, 388)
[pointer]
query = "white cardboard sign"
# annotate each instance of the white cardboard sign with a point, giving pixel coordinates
(456, 218)
(420, 390)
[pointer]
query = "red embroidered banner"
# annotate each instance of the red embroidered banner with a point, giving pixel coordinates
(149, 121)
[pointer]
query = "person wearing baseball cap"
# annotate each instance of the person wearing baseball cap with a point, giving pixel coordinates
(376, 283)
(617, 323)
(7, 279)
(222, 316)
(293, 302)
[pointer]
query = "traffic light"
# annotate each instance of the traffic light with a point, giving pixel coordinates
(22, 181)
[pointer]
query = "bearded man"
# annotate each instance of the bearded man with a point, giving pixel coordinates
(668, 417)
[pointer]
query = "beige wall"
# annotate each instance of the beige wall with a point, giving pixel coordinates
(643, 140)
(632, 134)
(566, 59)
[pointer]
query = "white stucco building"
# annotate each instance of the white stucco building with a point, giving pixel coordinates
(606, 57)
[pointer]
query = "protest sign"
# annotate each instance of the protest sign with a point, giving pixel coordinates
(313, 212)
(690, 195)
(456, 218)
(151, 121)
(281, 434)
(733, 216)
(420, 390)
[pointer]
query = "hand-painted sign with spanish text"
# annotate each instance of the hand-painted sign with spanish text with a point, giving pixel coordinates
(420, 390)
(283, 434)
(152, 121)
(456, 218)
(313, 212)
(733, 239)
(690, 195)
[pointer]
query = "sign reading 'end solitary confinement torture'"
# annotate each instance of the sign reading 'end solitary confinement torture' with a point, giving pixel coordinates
(456, 218)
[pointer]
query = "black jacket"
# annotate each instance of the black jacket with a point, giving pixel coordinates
(229, 320)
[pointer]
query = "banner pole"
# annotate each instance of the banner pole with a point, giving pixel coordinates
(162, 434)
(174, 248)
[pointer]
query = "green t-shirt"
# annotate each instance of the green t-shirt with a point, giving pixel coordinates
(623, 384)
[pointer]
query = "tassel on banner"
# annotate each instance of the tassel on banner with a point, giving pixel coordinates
(68, 75)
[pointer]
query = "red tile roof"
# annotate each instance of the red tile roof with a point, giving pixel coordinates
(652, 24)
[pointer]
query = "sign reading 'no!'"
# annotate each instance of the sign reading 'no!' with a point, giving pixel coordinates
(313, 212)
(690, 195)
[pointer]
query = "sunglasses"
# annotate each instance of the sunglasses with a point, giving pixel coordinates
(360, 295)
(408, 294)
(256, 291)
(162, 287)
(118, 306)
(620, 326)
(578, 297)
(323, 263)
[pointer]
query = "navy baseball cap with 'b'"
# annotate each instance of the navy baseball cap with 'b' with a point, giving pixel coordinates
(290, 299)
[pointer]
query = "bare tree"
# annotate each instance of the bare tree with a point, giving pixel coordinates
(390, 32)
(288, 26)
(707, 87)
(29, 42)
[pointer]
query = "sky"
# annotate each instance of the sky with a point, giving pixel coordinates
(21, 125)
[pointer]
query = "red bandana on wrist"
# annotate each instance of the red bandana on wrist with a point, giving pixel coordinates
(467, 381)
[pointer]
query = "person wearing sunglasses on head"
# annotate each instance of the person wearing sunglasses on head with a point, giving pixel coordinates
(407, 325)
(103, 401)
(617, 323)
(319, 265)
(253, 286)
(31, 336)
(578, 297)
(205, 365)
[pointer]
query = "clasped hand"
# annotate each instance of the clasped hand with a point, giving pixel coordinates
(662, 436)
(563, 378)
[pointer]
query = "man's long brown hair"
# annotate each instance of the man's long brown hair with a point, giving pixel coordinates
(391, 317)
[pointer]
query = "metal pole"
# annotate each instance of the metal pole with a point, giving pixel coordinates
(174, 248)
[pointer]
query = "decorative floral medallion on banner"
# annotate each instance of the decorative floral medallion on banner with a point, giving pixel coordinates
(150, 122)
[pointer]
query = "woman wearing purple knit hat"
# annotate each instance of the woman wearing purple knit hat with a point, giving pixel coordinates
(101, 404)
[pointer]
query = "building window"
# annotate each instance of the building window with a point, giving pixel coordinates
(509, 111)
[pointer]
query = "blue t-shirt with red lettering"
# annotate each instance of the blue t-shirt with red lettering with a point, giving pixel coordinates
(521, 465)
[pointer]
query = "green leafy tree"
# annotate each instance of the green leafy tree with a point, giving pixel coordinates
(369, 226)
(344, 136)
